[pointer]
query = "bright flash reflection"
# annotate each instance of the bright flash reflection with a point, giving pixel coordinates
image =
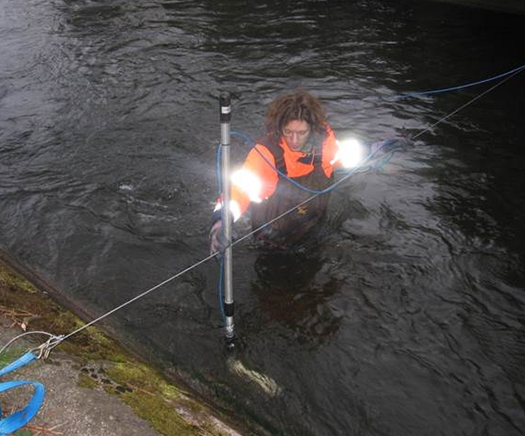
(235, 209)
(249, 183)
(350, 153)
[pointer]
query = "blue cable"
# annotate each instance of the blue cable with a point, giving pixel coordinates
(219, 286)
(218, 168)
(247, 138)
(221, 259)
(468, 85)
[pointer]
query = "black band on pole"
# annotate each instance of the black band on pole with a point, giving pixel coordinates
(226, 108)
(229, 308)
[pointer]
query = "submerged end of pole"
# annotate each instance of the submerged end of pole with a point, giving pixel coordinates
(229, 330)
(229, 337)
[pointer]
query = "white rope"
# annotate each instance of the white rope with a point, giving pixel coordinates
(22, 335)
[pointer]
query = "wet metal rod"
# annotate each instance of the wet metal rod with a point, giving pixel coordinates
(225, 117)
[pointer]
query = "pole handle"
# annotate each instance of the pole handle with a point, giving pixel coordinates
(225, 107)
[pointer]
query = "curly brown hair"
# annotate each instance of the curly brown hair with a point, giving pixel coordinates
(298, 105)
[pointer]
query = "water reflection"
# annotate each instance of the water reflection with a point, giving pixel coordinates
(289, 294)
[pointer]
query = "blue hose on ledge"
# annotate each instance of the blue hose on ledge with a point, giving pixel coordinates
(17, 420)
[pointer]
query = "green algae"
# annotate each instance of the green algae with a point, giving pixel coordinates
(23, 433)
(155, 399)
(10, 355)
(85, 381)
(142, 377)
(164, 417)
(161, 414)
(9, 279)
(89, 344)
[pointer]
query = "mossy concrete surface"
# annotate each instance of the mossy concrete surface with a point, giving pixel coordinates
(93, 386)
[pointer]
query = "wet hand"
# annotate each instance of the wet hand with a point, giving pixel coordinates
(218, 241)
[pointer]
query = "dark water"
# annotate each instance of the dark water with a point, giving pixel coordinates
(407, 320)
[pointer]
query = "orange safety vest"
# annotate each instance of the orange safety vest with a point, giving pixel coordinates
(312, 170)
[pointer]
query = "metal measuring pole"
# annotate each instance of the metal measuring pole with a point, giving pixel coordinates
(225, 117)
